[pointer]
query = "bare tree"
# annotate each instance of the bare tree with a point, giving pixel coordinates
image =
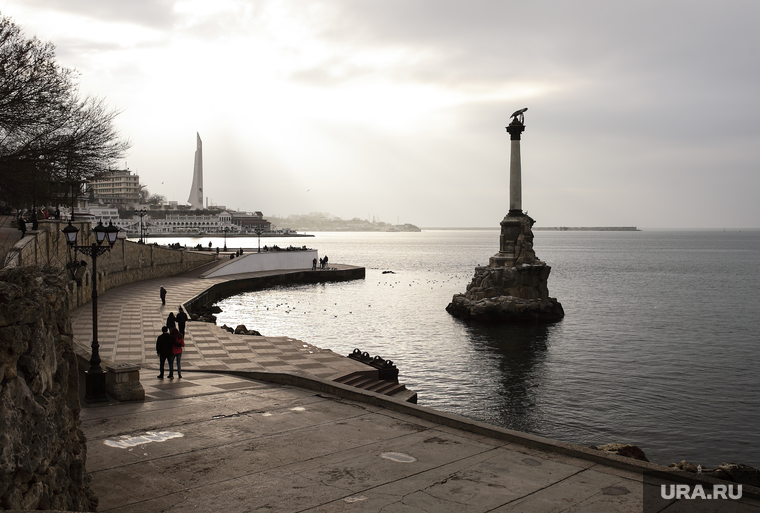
(51, 139)
(146, 198)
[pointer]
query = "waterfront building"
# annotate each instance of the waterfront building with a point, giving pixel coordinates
(118, 186)
(249, 223)
(194, 224)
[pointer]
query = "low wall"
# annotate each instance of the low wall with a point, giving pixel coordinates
(127, 262)
(267, 261)
(223, 290)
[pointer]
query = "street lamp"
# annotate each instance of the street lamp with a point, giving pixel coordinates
(258, 231)
(226, 229)
(95, 377)
(142, 213)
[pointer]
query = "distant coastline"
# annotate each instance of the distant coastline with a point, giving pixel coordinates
(551, 228)
(588, 228)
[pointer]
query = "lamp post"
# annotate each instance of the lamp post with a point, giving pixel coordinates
(226, 229)
(142, 213)
(95, 377)
(258, 231)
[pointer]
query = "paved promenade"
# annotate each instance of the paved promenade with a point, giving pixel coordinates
(217, 442)
(130, 318)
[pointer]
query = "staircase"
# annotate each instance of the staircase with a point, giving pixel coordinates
(367, 380)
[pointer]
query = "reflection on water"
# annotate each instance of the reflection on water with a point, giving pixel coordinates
(519, 353)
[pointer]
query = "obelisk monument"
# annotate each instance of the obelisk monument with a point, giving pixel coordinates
(513, 287)
(196, 191)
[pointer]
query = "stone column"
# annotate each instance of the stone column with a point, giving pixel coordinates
(515, 128)
(516, 240)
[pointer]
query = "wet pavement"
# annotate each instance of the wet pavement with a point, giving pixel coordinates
(232, 444)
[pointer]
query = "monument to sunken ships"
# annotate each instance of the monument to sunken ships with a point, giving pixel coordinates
(513, 287)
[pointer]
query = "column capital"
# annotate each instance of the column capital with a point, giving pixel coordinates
(515, 128)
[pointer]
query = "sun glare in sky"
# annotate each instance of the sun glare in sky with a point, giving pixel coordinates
(418, 94)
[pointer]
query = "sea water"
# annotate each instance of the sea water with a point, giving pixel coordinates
(658, 347)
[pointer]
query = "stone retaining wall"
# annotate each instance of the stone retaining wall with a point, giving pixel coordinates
(127, 262)
(42, 448)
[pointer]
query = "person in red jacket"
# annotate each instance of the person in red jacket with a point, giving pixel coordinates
(177, 345)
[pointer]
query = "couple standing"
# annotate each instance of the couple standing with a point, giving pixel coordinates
(169, 347)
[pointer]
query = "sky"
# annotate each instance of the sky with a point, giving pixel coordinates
(641, 113)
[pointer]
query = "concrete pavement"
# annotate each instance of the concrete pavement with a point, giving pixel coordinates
(238, 445)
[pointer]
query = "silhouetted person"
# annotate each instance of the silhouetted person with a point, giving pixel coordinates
(181, 320)
(171, 321)
(22, 226)
(164, 350)
(325, 261)
(162, 292)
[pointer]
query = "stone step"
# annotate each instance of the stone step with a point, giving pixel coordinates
(367, 380)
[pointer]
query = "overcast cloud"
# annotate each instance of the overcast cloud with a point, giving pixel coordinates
(640, 113)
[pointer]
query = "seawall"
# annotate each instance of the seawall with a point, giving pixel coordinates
(232, 286)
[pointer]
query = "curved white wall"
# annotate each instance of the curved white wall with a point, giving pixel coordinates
(268, 261)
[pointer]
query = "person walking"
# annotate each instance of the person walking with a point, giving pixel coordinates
(164, 350)
(177, 344)
(162, 293)
(181, 320)
(171, 321)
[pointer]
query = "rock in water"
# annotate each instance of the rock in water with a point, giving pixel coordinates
(513, 287)
(627, 450)
(508, 295)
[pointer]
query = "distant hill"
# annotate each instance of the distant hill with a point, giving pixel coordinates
(323, 222)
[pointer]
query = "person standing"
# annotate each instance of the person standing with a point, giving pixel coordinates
(181, 320)
(314, 265)
(171, 321)
(164, 350)
(162, 292)
(22, 226)
(324, 262)
(177, 344)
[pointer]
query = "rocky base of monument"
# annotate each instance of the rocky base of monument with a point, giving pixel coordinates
(508, 295)
(42, 448)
